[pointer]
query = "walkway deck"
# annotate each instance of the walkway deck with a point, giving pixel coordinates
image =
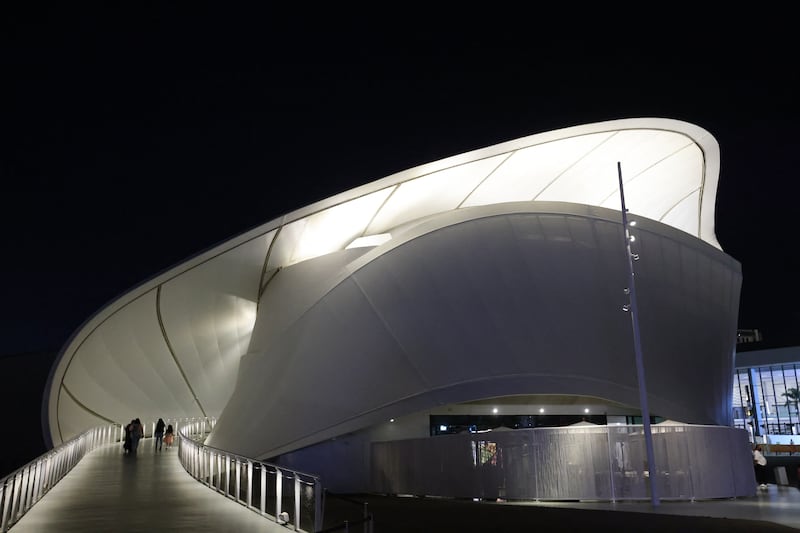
(774, 511)
(777, 504)
(109, 491)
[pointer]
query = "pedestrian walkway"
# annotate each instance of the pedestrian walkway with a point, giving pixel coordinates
(776, 511)
(109, 491)
(778, 504)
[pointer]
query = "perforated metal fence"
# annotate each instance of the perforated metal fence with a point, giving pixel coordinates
(569, 463)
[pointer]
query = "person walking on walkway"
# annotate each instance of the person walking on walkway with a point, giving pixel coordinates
(137, 432)
(128, 432)
(158, 434)
(760, 464)
(169, 436)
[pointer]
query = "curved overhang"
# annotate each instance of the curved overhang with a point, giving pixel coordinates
(173, 344)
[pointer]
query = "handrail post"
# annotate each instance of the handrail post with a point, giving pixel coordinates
(3, 506)
(318, 501)
(227, 475)
(263, 505)
(210, 457)
(249, 483)
(296, 501)
(236, 491)
(278, 492)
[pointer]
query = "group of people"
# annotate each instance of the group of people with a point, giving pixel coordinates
(163, 434)
(134, 431)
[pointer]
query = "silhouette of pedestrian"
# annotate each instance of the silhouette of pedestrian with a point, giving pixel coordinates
(126, 446)
(158, 434)
(137, 431)
(169, 436)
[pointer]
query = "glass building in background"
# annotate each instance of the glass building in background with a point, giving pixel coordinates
(763, 403)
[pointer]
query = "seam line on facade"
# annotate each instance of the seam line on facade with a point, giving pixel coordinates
(172, 352)
(85, 408)
(485, 178)
(262, 285)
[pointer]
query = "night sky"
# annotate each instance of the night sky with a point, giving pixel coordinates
(136, 135)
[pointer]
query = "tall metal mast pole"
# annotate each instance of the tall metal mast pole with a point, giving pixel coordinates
(637, 344)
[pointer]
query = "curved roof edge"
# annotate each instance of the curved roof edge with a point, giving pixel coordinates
(701, 137)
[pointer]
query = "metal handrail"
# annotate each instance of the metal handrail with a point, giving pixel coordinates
(23, 488)
(228, 473)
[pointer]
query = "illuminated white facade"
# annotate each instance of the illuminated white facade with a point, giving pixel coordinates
(493, 273)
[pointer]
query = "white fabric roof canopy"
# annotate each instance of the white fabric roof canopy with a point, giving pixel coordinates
(665, 173)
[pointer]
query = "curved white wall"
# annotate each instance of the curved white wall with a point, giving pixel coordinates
(509, 299)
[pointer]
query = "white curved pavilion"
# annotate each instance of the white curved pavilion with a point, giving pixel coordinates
(494, 273)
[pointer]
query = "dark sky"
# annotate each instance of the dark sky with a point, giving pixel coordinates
(137, 135)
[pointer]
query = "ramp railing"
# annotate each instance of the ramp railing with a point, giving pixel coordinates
(23, 488)
(289, 497)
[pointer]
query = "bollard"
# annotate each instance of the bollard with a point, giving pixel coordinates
(780, 476)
